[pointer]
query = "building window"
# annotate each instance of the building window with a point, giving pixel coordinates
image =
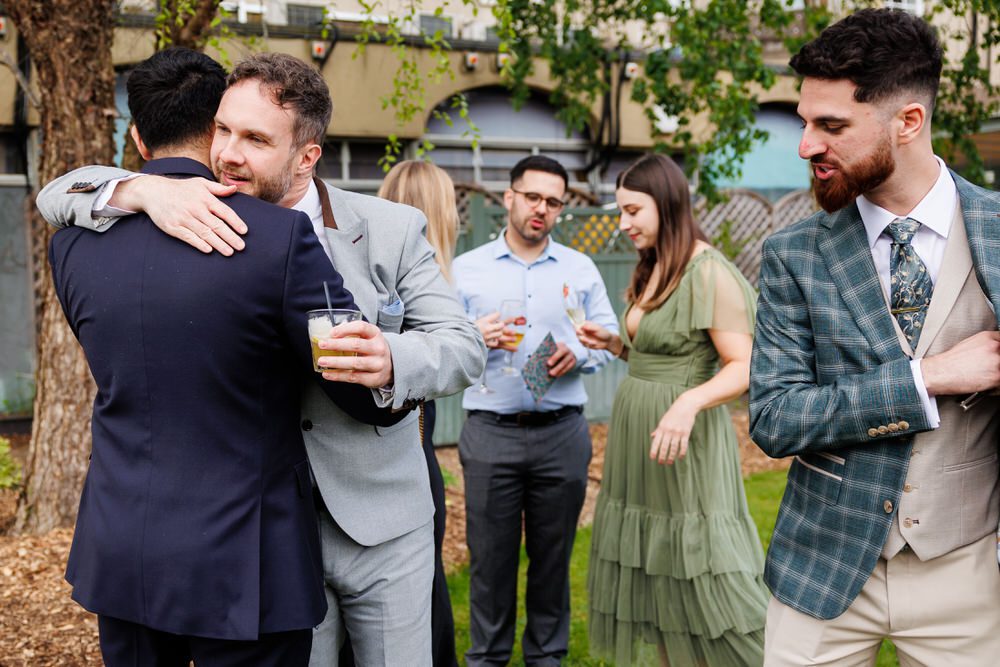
(305, 15)
(430, 24)
(915, 7)
(12, 156)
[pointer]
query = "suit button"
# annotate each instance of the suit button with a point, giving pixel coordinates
(904, 425)
(893, 428)
(882, 430)
(307, 425)
(907, 522)
(907, 487)
(887, 506)
(873, 432)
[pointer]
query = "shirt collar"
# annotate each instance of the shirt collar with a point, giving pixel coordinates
(935, 211)
(310, 203)
(501, 249)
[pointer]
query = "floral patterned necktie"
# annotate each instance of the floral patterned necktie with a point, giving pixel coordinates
(911, 284)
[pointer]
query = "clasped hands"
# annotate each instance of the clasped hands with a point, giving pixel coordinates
(364, 356)
(669, 440)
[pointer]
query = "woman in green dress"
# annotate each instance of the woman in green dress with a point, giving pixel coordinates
(676, 564)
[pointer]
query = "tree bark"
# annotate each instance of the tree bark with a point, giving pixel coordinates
(69, 42)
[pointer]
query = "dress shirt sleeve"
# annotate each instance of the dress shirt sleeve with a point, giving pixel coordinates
(929, 402)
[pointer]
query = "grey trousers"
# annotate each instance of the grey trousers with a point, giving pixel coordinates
(379, 595)
(513, 474)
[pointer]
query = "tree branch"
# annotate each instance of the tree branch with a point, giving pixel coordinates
(8, 60)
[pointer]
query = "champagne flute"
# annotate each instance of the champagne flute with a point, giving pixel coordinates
(513, 317)
(483, 388)
(573, 301)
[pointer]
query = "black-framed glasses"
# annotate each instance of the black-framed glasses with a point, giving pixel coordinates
(534, 199)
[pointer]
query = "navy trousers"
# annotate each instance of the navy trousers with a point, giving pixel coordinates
(126, 644)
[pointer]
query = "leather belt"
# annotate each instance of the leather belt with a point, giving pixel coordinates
(530, 418)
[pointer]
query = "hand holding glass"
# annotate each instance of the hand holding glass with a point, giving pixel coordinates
(321, 323)
(512, 315)
(577, 313)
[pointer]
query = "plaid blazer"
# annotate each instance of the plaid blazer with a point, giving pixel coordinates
(827, 371)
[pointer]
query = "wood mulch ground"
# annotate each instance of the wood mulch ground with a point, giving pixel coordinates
(40, 626)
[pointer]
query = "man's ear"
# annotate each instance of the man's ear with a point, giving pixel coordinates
(912, 119)
(139, 143)
(508, 198)
(310, 155)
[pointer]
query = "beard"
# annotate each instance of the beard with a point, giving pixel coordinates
(269, 188)
(848, 184)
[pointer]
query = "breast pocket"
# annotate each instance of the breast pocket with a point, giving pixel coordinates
(820, 475)
(390, 314)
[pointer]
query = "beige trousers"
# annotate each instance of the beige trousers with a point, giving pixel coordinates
(945, 611)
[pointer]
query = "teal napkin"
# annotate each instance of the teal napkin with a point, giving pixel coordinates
(535, 373)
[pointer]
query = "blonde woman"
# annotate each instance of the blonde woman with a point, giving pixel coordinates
(429, 189)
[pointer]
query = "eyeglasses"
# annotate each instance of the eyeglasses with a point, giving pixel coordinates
(534, 199)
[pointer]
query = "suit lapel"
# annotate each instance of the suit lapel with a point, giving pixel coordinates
(981, 212)
(955, 267)
(349, 245)
(849, 260)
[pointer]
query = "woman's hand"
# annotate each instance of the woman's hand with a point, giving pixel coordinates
(594, 336)
(670, 438)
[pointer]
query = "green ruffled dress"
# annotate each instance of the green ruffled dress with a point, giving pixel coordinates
(675, 559)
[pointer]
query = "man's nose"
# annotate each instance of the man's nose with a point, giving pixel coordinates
(810, 146)
(229, 153)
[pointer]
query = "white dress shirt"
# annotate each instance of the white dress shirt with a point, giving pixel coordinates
(935, 213)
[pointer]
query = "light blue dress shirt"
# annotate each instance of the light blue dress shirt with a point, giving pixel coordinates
(491, 274)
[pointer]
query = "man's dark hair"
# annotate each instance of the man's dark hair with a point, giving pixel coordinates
(884, 52)
(292, 84)
(538, 163)
(173, 96)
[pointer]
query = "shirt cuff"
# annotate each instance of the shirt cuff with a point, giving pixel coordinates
(101, 208)
(384, 395)
(928, 402)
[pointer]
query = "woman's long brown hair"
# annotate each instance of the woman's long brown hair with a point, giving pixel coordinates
(659, 177)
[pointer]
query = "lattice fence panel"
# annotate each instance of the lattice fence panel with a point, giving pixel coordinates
(738, 228)
(793, 207)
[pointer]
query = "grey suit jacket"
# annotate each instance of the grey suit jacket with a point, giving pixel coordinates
(373, 480)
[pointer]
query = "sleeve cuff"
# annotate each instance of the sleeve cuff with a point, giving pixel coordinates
(101, 208)
(928, 402)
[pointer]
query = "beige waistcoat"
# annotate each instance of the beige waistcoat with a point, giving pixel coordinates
(951, 496)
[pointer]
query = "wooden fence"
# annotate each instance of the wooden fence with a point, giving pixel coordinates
(738, 227)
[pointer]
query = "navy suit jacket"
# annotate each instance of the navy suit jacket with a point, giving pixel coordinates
(197, 514)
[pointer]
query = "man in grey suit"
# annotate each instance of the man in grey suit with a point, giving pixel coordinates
(372, 485)
(877, 319)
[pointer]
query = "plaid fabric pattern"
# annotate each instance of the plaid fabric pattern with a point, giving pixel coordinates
(827, 371)
(911, 283)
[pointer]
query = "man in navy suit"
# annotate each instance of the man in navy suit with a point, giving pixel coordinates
(196, 536)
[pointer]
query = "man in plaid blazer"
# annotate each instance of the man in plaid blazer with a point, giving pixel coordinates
(861, 364)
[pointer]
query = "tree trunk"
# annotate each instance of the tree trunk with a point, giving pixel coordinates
(69, 42)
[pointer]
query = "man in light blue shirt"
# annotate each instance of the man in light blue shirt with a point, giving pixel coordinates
(525, 459)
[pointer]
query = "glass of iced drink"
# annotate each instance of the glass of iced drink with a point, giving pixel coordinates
(321, 323)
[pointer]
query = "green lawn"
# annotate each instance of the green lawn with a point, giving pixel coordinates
(764, 495)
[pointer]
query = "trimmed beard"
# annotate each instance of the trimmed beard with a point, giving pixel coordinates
(268, 188)
(847, 185)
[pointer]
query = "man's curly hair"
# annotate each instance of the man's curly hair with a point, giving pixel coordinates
(884, 52)
(294, 85)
